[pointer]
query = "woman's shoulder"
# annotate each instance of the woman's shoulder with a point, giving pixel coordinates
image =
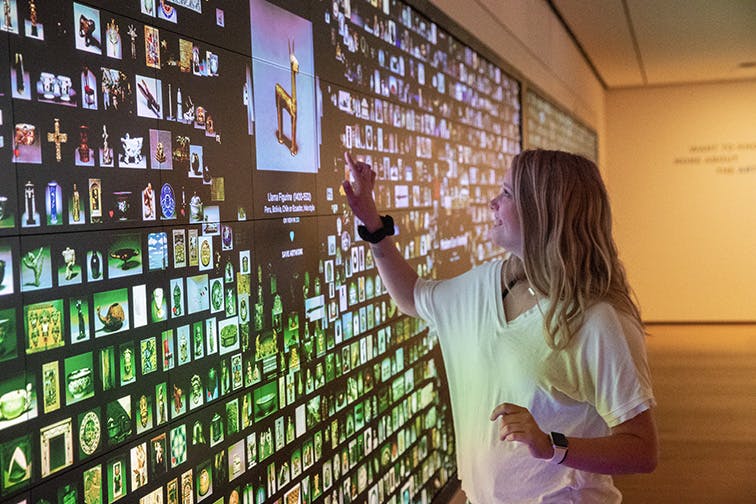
(601, 311)
(481, 277)
(488, 266)
(603, 317)
(480, 271)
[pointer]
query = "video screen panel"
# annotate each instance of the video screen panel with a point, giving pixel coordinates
(549, 127)
(186, 311)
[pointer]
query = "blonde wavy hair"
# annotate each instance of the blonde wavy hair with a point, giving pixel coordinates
(569, 255)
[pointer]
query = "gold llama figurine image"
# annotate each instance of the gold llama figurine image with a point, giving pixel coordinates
(288, 102)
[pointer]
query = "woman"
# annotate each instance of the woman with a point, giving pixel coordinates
(548, 341)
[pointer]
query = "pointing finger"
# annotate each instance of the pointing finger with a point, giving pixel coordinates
(348, 159)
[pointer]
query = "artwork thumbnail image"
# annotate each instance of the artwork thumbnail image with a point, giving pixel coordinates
(283, 89)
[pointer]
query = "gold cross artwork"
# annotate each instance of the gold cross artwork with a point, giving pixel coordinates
(58, 138)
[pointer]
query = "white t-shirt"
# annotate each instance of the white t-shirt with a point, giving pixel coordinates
(599, 381)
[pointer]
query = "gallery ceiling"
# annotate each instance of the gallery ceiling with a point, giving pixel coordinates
(637, 43)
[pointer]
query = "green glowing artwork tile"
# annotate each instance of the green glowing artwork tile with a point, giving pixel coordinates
(16, 462)
(117, 478)
(44, 324)
(92, 484)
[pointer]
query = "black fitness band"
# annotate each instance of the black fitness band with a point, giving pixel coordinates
(386, 230)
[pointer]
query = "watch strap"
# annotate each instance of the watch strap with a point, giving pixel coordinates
(560, 445)
(386, 230)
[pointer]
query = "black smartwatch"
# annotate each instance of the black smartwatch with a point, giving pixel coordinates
(559, 443)
(386, 230)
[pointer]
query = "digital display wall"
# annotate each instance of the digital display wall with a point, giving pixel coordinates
(186, 312)
(548, 127)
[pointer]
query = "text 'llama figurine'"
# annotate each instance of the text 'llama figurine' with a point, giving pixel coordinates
(289, 103)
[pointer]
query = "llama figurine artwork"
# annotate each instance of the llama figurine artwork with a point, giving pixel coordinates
(288, 102)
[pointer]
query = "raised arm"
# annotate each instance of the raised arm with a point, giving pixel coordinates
(396, 273)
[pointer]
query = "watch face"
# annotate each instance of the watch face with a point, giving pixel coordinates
(559, 439)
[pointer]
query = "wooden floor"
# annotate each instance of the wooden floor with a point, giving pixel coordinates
(705, 384)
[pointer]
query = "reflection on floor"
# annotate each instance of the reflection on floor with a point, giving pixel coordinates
(705, 384)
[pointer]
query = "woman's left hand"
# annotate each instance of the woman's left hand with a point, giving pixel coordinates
(517, 424)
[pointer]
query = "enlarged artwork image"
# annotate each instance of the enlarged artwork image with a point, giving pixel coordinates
(284, 89)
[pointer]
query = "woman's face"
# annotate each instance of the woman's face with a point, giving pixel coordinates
(505, 231)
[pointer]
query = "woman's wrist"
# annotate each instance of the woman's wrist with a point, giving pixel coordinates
(545, 448)
(373, 224)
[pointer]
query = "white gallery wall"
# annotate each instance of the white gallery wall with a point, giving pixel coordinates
(681, 165)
